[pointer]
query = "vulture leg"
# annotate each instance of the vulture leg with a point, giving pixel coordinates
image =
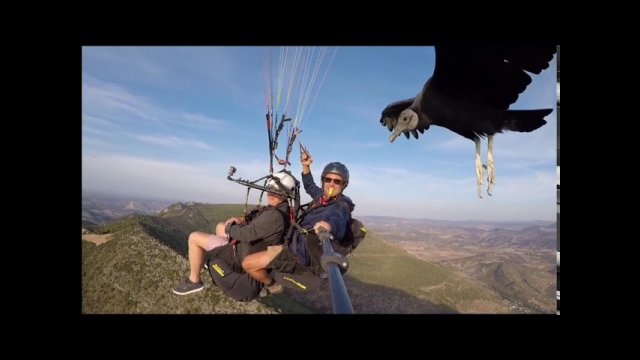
(490, 169)
(478, 167)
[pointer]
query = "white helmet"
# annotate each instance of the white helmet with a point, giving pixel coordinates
(285, 179)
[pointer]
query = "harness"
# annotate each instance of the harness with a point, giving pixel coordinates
(306, 209)
(309, 236)
(244, 249)
(289, 272)
(224, 263)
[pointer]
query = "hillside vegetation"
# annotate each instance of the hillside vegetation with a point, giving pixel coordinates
(383, 279)
(516, 261)
(135, 271)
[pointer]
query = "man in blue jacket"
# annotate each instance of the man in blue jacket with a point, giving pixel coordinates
(330, 210)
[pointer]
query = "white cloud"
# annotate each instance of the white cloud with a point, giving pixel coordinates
(200, 121)
(204, 182)
(389, 191)
(96, 121)
(92, 130)
(131, 58)
(116, 102)
(94, 143)
(172, 141)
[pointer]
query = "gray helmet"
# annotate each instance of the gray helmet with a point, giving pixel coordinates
(288, 181)
(336, 168)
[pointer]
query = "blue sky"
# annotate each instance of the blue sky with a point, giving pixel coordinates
(167, 122)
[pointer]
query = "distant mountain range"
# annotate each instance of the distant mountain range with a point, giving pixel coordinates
(461, 234)
(509, 225)
(99, 209)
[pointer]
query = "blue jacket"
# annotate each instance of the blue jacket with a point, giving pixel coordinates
(335, 214)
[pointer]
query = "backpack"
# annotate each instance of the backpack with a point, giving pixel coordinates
(356, 231)
(353, 236)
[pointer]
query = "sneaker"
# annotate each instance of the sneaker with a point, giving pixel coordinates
(275, 288)
(188, 287)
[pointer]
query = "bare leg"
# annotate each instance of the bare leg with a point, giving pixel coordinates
(478, 168)
(490, 169)
(199, 243)
(220, 229)
(256, 263)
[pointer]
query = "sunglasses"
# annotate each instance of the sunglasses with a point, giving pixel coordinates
(335, 181)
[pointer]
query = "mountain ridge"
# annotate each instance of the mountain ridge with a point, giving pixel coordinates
(382, 277)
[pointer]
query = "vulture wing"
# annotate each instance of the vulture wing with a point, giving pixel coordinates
(492, 76)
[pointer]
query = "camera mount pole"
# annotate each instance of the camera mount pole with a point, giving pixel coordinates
(331, 263)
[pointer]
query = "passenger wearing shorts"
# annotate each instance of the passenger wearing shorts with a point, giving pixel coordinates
(267, 226)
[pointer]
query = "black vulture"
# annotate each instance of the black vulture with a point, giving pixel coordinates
(470, 92)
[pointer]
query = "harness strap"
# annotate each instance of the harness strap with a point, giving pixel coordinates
(253, 214)
(313, 204)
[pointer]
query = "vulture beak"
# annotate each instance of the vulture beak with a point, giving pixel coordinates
(407, 121)
(397, 131)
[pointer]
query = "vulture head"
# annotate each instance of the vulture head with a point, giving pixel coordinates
(469, 93)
